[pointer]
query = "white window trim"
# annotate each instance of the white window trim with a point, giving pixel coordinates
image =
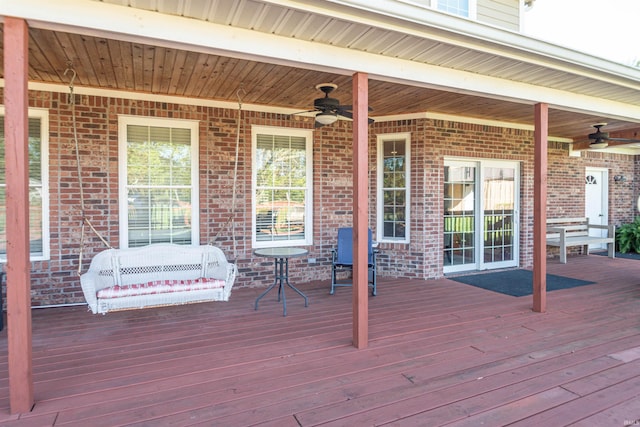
(380, 198)
(308, 209)
(43, 115)
(433, 4)
(473, 9)
(193, 126)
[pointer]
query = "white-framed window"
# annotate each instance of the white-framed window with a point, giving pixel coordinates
(38, 185)
(158, 174)
(394, 182)
(464, 8)
(282, 186)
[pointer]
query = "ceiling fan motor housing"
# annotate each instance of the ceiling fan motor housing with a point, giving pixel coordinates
(326, 104)
(599, 135)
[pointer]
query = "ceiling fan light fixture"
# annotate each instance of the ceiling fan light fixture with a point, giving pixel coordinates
(326, 118)
(599, 144)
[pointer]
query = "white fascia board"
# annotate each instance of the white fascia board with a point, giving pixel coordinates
(126, 23)
(106, 18)
(427, 22)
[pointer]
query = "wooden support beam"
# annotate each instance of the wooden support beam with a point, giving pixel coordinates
(540, 208)
(16, 131)
(360, 286)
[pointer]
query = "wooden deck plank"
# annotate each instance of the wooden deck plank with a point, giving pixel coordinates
(291, 385)
(292, 401)
(228, 364)
(30, 421)
(508, 393)
(584, 407)
(624, 414)
(332, 409)
(602, 380)
(517, 410)
(173, 378)
(441, 392)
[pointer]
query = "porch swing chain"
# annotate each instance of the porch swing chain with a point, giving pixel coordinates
(231, 220)
(235, 170)
(85, 220)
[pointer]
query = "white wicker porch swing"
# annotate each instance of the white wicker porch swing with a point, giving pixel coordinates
(155, 275)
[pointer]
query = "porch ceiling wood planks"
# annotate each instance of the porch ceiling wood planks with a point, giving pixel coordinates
(122, 65)
(440, 352)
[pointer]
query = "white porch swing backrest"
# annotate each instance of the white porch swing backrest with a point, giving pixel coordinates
(166, 261)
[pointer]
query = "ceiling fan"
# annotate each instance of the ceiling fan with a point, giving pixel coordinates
(601, 139)
(329, 109)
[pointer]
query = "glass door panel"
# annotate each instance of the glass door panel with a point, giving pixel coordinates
(498, 196)
(459, 217)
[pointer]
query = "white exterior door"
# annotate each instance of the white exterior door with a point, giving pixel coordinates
(597, 201)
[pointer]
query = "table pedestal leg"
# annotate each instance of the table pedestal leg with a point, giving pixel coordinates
(281, 272)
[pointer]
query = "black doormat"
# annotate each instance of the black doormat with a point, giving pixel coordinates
(628, 255)
(516, 283)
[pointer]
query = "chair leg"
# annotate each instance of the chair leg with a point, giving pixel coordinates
(333, 280)
(374, 291)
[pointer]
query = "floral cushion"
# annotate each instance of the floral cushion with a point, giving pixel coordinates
(159, 287)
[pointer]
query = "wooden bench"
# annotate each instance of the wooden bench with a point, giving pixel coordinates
(566, 232)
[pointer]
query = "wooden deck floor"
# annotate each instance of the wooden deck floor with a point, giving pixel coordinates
(440, 353)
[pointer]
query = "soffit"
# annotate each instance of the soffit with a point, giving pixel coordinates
(534, 63)
(108, 63)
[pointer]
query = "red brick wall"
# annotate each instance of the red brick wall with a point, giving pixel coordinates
(56, 282)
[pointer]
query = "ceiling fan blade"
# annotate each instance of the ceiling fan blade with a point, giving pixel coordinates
(346, 114)
(627, 140)
(303, 112)
(350, 107)
(349, 115)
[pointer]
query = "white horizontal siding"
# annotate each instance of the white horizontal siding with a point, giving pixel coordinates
(501, 13)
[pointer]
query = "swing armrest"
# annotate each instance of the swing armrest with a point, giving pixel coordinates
(89, 282)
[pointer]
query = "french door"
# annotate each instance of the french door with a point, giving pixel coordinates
(481, 228)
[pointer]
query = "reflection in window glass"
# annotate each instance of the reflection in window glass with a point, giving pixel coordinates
(459, 215)
(36, 205)
(456, 7)
(159, 188)
(281, 188)
(393, 184)
(498, 194)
